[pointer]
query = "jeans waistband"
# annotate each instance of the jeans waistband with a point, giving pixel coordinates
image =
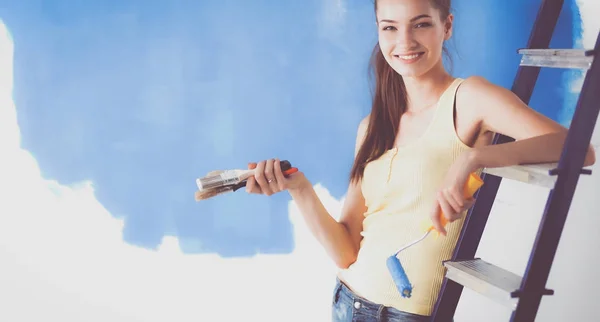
(369, 308)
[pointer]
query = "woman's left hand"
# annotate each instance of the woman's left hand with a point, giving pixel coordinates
(450, 198)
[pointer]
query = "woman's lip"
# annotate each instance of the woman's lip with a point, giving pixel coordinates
(409, 59)
(409, 54)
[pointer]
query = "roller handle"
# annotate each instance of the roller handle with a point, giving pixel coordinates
(474, 182)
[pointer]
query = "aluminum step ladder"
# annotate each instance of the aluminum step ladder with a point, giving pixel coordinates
(522, 295)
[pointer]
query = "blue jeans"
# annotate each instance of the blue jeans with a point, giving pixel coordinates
(349, 307)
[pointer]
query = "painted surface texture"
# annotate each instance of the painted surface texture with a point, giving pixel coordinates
(142, 97)
(122, 104)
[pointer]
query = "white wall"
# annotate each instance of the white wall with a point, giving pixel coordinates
(512, 228)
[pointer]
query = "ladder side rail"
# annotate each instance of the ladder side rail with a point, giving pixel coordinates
(560, 198)
(477, 216)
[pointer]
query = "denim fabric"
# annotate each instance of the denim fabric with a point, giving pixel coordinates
(349, 307)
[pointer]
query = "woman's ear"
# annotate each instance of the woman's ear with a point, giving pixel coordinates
(448, 27)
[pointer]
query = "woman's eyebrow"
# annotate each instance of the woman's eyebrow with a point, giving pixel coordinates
(411, 20)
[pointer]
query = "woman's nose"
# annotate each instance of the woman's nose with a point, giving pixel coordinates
(404, 38)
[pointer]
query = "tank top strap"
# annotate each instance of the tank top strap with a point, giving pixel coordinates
(444, 120)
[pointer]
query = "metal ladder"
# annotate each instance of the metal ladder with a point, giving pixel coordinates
(522, 295)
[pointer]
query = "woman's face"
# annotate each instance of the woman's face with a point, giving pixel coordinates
(411, 35)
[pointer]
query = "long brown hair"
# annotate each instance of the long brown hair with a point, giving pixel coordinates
(389, 103)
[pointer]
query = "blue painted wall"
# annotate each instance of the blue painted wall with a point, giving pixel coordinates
(142, 97)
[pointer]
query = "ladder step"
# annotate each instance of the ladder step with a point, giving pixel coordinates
(542, 174)
(536, 174)
(557, 58)
(487, 279)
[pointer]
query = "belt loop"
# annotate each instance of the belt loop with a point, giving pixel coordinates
(380, 314)
(337, 290)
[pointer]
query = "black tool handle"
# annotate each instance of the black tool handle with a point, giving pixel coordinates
(286, 166)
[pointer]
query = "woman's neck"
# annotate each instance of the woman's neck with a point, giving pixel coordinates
(424, 91)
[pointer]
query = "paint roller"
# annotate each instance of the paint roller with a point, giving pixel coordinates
(394, 266)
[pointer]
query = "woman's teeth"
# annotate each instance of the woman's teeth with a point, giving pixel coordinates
(409, 57)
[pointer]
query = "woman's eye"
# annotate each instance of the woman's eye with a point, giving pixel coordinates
(389, 28)
(423, 25)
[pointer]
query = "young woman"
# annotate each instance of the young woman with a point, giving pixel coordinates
(427, 131)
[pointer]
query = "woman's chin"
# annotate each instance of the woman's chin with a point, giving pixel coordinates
(414, 70)
(411, 72)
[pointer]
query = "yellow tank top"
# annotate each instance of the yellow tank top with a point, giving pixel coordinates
(399, 189)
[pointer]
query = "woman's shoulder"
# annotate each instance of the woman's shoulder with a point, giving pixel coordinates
(364, 124)
(476, 86)
(361, 132)
(479, 87)
(475, 90)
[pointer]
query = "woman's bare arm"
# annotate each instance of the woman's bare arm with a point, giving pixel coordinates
(341, 239)
(538, 139)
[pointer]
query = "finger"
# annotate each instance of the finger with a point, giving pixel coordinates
(459, 197)
(270, 176)
(259, 175)
(435, 219)
(251, 185)
(281, 180)
(469, 203)
(446, 208)
(452, 201)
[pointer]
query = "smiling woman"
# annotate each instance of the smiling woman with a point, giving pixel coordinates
(111, 178)
(425, 135)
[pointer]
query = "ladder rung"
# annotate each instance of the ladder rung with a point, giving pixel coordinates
(536, 174)
(557, 58)
(487, 279)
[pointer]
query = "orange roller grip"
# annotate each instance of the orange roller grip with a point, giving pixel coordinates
(474, 182)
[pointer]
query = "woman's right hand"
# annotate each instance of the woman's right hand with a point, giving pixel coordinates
(269, 179)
